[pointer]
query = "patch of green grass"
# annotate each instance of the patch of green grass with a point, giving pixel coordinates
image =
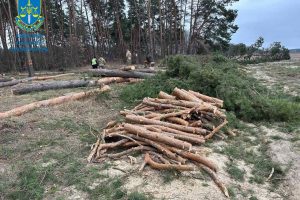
(70, 171)
(137, 196)
(253, 153)
(30, 182)
(276, 137)
(40, 96)
(295, 138)
(103, 96)
(170, 175)
(6, 152)
(80, 128)
(109, 190)
(235, 172)
(231, 191)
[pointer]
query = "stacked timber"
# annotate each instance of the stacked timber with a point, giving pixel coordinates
(168, 130)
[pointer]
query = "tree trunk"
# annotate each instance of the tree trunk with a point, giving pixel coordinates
(119, 73)
(54, 85)
(143, 132)
(51, 102)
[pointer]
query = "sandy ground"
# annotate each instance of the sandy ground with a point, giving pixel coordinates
(284, 151)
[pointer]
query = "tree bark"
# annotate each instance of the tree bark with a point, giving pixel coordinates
(51, 102)
(195, 157)
(17, 81)
(143, 132)
(143, 120)
(119, 73)
(160, 166)
(54, 85)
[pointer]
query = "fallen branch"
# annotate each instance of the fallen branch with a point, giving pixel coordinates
(160, 166)
(196, 158)
(215, 178)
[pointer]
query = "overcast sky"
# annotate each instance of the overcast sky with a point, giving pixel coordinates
(275, 20)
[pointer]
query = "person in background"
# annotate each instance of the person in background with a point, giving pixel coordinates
(149, 61)
(102, 62)
(128, 57)
(95, 63)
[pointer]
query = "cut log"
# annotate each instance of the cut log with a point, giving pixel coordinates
(172, 114)
(192, 140)
(51, 102)
(15, 82)
(104, 147)
(5, 80)
(184, 95)
(134, 144)
(126, 152)
(143, 120)
(160, 157)
(160, 166)
(128, 68)
(207, 98)
(163, 95)
(94, 150)
(54, 85)
(173, 103)
(177, 132)
(147, 102)
(195, 157)
(177, 120)
(152, 71)
(209, 136)
(157, 146)
(143, 132)
(119, 73)
(42, 78)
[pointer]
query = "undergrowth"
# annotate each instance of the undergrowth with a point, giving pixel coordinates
(218, 77)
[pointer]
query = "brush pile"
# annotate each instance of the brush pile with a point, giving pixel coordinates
(168, 130)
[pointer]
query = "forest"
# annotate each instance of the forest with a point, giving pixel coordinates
(76, 30)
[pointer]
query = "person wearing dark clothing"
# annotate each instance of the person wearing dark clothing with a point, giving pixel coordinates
(149, 61)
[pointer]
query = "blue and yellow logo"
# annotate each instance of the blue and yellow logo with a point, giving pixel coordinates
(29, 15)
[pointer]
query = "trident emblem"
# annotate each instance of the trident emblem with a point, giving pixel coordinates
(28, 10)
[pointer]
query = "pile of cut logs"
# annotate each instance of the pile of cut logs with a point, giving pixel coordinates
(168, 130)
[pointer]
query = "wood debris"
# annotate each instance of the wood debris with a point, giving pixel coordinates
(168, 131)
